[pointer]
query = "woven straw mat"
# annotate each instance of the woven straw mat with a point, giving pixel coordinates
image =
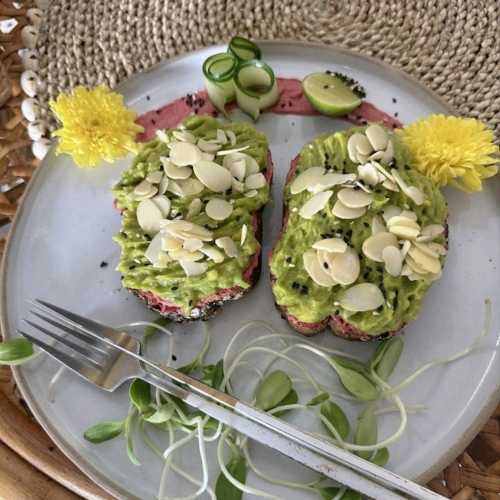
(451, 46)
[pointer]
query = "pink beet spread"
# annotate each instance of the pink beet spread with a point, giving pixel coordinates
(291, 101)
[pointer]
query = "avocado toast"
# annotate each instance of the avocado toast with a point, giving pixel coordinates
(364, 235)
(191, 216)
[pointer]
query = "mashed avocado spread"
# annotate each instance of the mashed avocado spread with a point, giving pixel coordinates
(293, 287)
(170, 281)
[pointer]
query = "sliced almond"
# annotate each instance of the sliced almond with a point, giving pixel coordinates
(218, 209)
(362, 158)
(377, 155)
(228, 245)
(251, 193)
(411, 191)
(144, 188)
(344, 268)
(221, 136)
(384, 174)
(184, 136)
(334, 245)
(176, 225)
(238, 169)
(430, 232)
(377, 136)
(369, 174)
(352, 198)
(194, 208)
(162, 136)
(414, 266)
(346, 213)
(437, 248)
(326, 260)
(373, 246)
(212, 253)
(163, 186)
(389, 212)
(155, 177)
(315, 204)
(390, 186)
(237, 186)
(363, 146)
(403, 231)
(244, 232)
(307, 178)
(190, 187)
(329, 180)
(424, 260)
(149, 216)
(193, 268)
(409, 215)
(184, 153)
(163, 204)
(174, 187)
(252, 167)
(352, 150)
(427, 249)
(170, 243)
(404, 249)
(255, 181)
(231, 151)
(213, 176)
(315, 270)
(362, 297)
(175, 172)
(147, 196)
(192, 244)
(208, 147)
(185, 255)
(400, 220)
(393, 260)
(207, 156)
(388, 155)
(377, 225)
(154, 249)
(231, 136)
(184, 230)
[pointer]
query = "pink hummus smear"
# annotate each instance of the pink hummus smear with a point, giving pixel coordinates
(291, 101)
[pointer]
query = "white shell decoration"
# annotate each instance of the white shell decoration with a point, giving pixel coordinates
(35, 16)
(40, 148)
(29, 59)
(30, 109)
(36, 130)
(29, 36)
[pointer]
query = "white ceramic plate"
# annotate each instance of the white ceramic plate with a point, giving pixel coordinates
(64, 228)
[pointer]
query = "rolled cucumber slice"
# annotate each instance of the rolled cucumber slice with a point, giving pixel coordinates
(256, 87)
(243, 49)
(329, 94)
(218, 72)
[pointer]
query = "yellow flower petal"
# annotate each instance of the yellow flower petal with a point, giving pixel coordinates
(451, 150)
(96, 126)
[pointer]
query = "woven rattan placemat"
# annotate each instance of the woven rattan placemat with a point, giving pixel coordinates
(452, 46)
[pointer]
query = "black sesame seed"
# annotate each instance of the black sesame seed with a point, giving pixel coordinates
(295, 285)
(174, 288)
(394, 125)
(325, 265)
(103, 264)
(190, 302)
(325, 86)
(366, 224)
(282, 105)
(304, 290)
(174, 357)
(349, 233)
(394, 100)
(158, 111)
(131, 268)
(328, 72)
(153, 122)
(148, 98)
(288, 260)
(366, 275)
(407, 167)
(396, 114)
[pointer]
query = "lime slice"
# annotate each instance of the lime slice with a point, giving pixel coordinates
(329, 94)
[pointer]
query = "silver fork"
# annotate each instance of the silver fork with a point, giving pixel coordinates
(108, 358)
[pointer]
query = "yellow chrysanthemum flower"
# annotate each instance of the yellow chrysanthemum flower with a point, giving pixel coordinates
(451, 150)
(96, 125)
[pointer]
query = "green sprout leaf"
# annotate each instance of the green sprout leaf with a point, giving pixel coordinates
(15, 351)
(336, 417)
(386, 357)
(366, 432)
(161, 415)
(140, 395)
(224, 490)
(103, 431)
(290, 399)
(213, 375)
(272, 390)
(318, 399)
(355, 381)
(381, 457)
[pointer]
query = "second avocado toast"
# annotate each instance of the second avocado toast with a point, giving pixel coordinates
(363, 237)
